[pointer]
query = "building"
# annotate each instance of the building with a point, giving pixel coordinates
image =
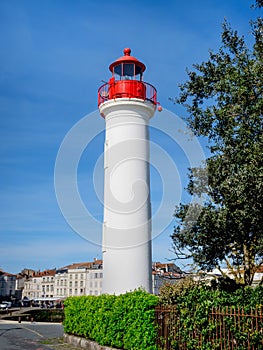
(20, 284)
(258, 278)
(164, 273)
(61, 283)
(84, 278)
(32, 287)
(7, 284)
(48, 283)
(39, 285)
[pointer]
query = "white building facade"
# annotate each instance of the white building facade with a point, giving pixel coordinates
(86, 278)
(40, 285)
(73, 280)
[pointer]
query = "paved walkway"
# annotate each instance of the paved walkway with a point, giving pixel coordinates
(32, 336)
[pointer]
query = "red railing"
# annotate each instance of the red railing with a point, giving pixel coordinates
(127, 89)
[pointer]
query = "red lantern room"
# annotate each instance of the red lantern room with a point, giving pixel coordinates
(127, 81)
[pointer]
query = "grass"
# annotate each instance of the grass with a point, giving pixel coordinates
(58, 344)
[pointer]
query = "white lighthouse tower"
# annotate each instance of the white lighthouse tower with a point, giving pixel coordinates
(127, 103)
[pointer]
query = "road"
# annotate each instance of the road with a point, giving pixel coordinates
(32, 336)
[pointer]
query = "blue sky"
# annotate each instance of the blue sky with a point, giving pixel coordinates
(54, 55)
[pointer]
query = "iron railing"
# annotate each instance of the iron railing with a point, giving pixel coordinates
(227, 329)
(149, 92)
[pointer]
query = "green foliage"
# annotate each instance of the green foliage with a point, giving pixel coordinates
(170, 292)
(190, 292)
(125, 321)
(259, 3)
(224, 99)
(193, 304)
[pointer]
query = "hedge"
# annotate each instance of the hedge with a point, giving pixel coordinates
(193, 305)
(125, 321)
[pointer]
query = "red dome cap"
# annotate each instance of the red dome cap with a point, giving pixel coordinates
(127, 58)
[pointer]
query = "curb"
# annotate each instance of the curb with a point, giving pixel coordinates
(84, 343)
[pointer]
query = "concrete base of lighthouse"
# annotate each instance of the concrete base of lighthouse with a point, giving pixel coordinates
(127, 207)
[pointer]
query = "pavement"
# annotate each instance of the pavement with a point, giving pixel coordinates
(32, 336)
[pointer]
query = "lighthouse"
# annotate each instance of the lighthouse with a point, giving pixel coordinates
(126, 103)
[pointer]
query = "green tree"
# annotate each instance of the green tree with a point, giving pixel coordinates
(259, 3)
(224, 101)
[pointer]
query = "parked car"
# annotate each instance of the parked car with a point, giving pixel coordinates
(5, 305)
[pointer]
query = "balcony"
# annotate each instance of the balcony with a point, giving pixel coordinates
(127, 89)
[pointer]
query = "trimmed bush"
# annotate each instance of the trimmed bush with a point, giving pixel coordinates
(193, 303)
(125, 321)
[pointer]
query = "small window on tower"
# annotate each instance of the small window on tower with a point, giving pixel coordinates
(118, 70)
(128, 70)
(138, 70)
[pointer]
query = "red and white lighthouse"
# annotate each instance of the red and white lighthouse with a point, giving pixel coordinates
(127, 103)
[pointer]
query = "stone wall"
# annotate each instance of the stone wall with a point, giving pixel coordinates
(84, 343)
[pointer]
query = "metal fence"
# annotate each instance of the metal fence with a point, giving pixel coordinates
(127, 89)
(224, 329)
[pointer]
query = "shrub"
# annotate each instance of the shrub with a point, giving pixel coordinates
(125, 321)
(193, 304)
(171, 293)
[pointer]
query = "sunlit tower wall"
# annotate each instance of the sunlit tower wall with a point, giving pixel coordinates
(126, 103)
